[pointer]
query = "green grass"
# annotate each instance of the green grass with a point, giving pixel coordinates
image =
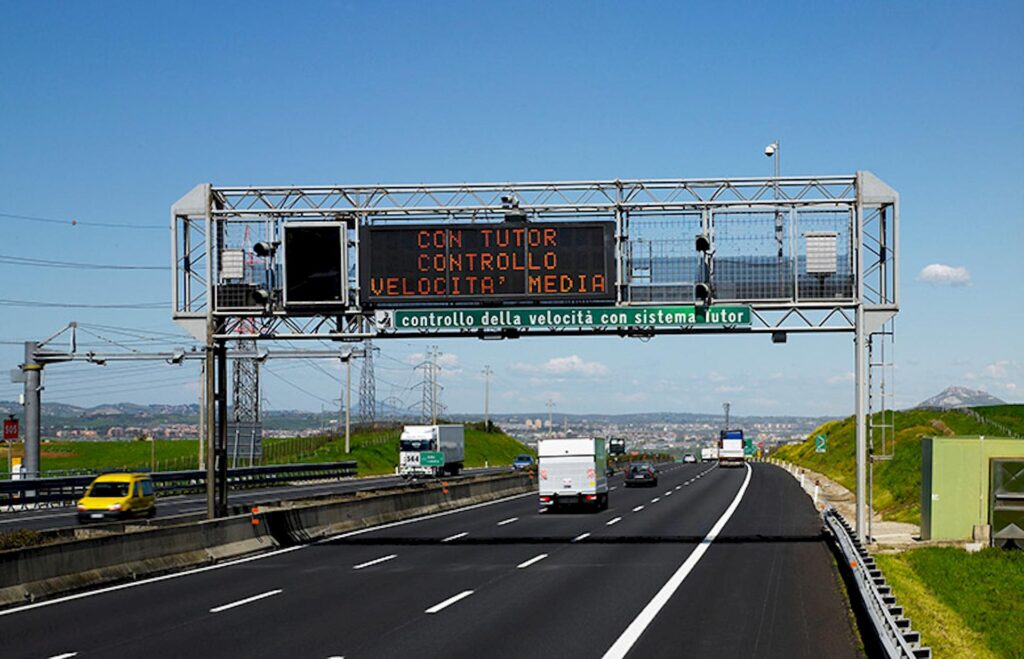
(897, 481)
(377, 452)
(963, 604)
(1011, 416)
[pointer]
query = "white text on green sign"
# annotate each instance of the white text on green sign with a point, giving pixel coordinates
(572, 317)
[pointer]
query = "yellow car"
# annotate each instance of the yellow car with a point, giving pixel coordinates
(116, 496)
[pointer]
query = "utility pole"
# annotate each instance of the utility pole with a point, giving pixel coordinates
(33, 371)
(725, 406)
(202, 413)
(487, 396)
(433, 372)
(551, 428)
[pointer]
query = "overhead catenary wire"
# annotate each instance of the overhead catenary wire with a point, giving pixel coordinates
(84, 223)
(7, 302)
(77, 265)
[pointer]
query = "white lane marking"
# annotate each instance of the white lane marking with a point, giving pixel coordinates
(507, 521)
(247, 600)
(448, 602)
(629, 637)
(669, 493)
(536, 559)
(456, 536)
(66, 655)
(638, 509)
(678, 486)
(612, 488)
(612, 521)
(374, 561)
(582, 536)
(259, 557)
(655, 499)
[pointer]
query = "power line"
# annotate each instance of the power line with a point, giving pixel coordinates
(6, 302)
(73, 222)
(47, 263)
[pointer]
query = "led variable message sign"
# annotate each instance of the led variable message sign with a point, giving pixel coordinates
(487, 263)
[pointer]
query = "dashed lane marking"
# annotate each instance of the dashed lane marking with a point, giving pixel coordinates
(448, 602)
(455, 537)
(375, 561)
(247, 600)
(536, 559)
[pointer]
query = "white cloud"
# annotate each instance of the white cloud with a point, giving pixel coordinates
(635, 397)
(728, 389)
(571, 365)
(839, 379)
(448, 361)
(937, 273)
(997, 370)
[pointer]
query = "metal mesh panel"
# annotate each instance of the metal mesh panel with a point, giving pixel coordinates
(661, 264)
(753, 257)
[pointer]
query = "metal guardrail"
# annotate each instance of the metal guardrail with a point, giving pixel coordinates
(893, 630)
(65, 491)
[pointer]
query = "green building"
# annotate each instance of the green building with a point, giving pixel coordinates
(956, 478)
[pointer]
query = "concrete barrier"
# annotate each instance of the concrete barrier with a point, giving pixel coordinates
(33, 573)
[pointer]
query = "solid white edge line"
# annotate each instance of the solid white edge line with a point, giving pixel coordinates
(507, 521)
(536, 559)
(374, 561)
(448, 602)
(582, 536)
(257, 557)
(629, 637)
(247, 600)
(66, 655)
(455, 537)
(613, 521)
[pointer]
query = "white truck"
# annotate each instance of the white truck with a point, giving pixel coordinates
(431, 450)
(571, 471)
(708, 454)
(730, 449)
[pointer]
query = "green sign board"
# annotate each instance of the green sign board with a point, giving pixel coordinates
(431, 459)
(819, 444)
(748, 447)
(567, 317)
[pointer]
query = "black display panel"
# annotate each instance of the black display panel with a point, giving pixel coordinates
(314, 265)
(487, 263)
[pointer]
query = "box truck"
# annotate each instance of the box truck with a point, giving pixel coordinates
(431, 450)
(571, 471)
(730, 449)
(708, 454)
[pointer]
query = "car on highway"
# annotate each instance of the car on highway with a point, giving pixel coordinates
(116, 496)
(689, 458)
(522, 461)
(641, 473)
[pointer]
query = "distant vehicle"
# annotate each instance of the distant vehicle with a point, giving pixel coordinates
(431, 450)
(522, 461)
(115, 496)
(689, 458)
(731, 451)
(642, 473)
(616, 446)
(572, 471)
(708, 454)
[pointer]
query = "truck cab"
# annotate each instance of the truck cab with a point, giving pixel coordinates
(431, 450)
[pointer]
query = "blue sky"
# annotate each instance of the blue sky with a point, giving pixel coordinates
(111, 111)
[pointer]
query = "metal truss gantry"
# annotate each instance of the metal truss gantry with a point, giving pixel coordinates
(760, 229)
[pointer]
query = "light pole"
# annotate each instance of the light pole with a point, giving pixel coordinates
(487, 397)
(775, 152)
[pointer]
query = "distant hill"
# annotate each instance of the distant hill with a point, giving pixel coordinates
(951, 397)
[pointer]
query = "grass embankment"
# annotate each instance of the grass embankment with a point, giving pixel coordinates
(964, 605)
(897, 481)
(375, 451)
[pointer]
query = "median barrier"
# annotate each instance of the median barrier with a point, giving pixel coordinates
(33, 573)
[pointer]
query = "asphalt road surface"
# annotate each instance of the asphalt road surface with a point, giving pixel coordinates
(39, 519)
(711, 563)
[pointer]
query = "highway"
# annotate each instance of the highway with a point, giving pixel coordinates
(712, 563)
(40, 519)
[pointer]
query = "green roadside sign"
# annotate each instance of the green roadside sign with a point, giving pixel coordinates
(431, 459)
(685, 316)
(819, 444)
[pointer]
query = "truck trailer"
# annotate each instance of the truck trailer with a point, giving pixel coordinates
(708, 454)
(571, 471)
(431, 450)
(730, 449)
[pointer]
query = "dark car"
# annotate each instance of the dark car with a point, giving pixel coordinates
(642, 474)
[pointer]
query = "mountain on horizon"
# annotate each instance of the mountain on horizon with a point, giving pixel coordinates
(960, 397)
